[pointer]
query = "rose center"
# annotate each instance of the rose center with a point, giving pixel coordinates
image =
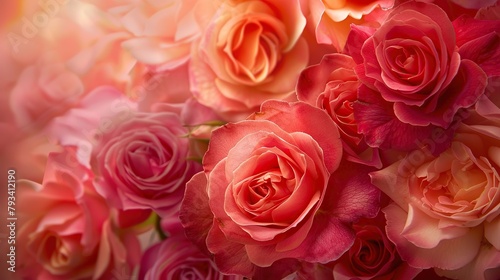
(145, 163)
(456, 190)
(406, 64)
(56, 253)
(253, 49)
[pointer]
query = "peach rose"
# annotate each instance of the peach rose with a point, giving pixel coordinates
(333, 18)
(449, 204)
(251, 51)
(65, 227)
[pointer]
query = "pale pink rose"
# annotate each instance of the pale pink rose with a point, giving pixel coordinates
(65, 228)
(43, 91)
(372, 256)
(9, 74)
(446, 208)
(414, 78)
(97, 113)
(178, 258)
(27, 153)
(88, 41)
(332, 86)
(250, 52)
(159, 87)
(142, 162)
(154, 42)
(266, 201)
(104, 62)
(332, 18)
(76, 34)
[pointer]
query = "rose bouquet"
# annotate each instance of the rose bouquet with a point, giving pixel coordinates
(250, 139)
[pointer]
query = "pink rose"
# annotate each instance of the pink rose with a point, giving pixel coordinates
(65, 227)
(142, 162)
(178, 258)
(266, 201)
(413, 77)
(332, 86)
(42, 92)
(372, 256)
(333, 18)
(251, 51)
(153, 87)
(446, 208)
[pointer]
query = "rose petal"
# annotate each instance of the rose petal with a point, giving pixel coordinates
(463, 248)
(492, 232)
(485, 51)
(327, 240)
(484, 266)
(424, 231)
(381, 128)
(230, 257)
(327, 135)
(195, 214)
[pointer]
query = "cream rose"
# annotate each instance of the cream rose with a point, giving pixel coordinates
(448, 204)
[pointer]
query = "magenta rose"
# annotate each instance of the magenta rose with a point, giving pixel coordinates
(178, 258)
(266, 198)
(333, 86)
(414, 79)
(142, 163)
(66, 228)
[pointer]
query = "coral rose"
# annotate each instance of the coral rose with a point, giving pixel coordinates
(332, 85)
(266, 198)
(251, 51)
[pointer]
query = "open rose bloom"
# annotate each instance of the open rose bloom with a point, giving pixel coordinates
(250, 139)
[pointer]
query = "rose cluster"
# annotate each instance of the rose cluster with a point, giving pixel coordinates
(253, 139)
